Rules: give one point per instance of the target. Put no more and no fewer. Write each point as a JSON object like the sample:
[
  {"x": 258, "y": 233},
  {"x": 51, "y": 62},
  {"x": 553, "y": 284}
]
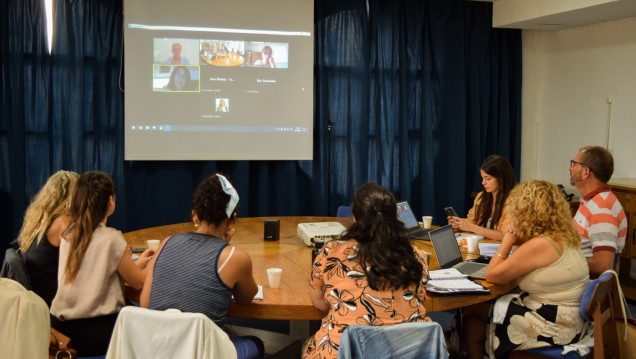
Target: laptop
[
  {"x": 449, "y": 256},
  {"x": 405, "y": 214}
]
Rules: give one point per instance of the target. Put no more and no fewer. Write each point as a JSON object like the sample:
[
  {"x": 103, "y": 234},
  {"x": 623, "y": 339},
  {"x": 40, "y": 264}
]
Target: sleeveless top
[
  {"x": 185, "y": 277},
  {"x": 562, "y": 282},
  {"x": 41, "y": 263},
  {"x": 97, "y": 288}
]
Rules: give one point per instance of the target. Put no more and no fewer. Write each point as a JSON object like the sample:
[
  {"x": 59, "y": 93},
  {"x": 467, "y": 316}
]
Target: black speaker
[{"x": 272, "y": 230}]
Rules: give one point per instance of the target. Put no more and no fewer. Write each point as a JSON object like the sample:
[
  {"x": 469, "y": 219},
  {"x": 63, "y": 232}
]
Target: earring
[{"x": 196, "y": 225}]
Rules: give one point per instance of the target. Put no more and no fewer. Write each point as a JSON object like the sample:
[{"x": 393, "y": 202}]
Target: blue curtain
[{"x": 411, "y": 94}]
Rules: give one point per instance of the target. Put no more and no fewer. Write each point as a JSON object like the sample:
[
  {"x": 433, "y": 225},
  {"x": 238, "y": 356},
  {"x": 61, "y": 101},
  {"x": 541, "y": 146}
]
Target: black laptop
[
  {"x": 405, "y": 214},
  {"x": 448, "y": 254}
]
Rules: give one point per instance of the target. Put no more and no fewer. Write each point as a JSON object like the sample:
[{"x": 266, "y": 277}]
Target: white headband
[{"x": 234, "y": 197}]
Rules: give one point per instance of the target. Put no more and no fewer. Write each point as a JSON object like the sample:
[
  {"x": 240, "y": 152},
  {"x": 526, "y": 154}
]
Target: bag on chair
[{"x": 60, "y": 346}]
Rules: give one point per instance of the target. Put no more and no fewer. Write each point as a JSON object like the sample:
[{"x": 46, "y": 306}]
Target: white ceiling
[{"x": 558, "y": 14}]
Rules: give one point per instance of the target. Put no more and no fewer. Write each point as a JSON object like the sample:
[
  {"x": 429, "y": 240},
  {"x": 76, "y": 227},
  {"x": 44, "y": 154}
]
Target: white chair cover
[
  {"x": 25, "y": 325},
  {"x": 144, "y": 333}
]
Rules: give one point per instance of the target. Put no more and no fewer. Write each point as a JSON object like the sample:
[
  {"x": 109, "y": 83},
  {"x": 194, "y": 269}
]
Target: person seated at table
[
  {"x": 372, "y": 276},
  {"x": 488, "y": 216},
  {"x": 95, "y": 261},
  {"x": 44, "y": 221},
  {"x": 200, "y": 271},
  {"x": 551, "y": 271}
]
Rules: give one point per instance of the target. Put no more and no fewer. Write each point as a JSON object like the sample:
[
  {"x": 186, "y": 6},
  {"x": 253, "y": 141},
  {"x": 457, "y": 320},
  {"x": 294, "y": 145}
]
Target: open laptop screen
[
  {"x": 405, "y": 214},
  {"x": 445, "y": 246}
]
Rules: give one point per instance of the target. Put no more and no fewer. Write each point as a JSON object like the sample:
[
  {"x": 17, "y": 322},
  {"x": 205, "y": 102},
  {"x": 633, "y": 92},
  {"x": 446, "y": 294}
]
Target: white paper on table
[
  {"x": 259, "y": 294},
  {"x": 488, "y": 249}
]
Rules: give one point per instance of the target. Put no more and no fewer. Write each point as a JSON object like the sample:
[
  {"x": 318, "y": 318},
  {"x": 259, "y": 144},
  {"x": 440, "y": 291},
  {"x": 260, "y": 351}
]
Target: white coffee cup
[
  {"x": 427, "y": 221},
  {"x": 153, "y": 243},
  {"x": 273, "y": 275},
  {"x": 471, "y": 244}
]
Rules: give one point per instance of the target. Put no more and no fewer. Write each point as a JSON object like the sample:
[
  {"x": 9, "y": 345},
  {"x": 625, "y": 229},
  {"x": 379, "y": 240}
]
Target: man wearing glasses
[{"x": 600, "y": 219}]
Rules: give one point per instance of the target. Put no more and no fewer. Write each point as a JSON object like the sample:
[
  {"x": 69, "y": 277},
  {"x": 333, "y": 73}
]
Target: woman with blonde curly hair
[
  {"x": 44, "y": 221},
  {"x": 551, "y": 271}
]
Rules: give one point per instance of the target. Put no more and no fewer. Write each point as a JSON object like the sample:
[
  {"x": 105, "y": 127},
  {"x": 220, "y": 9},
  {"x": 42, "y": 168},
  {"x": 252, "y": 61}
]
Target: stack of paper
[{"x": 452, "y": 281}]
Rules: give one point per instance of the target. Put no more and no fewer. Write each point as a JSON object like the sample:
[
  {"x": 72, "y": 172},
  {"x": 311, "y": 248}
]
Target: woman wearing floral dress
[
  {"x": 372, "y": 276},
  {"x": 551, "y": 271}
]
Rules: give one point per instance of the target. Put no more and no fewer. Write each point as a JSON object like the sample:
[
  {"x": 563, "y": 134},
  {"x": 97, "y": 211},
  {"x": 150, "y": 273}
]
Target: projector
[{"x": 319, "y": 232}]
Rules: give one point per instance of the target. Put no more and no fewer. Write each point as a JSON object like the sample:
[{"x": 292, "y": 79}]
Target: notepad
[{"x": 451, "y": 281}]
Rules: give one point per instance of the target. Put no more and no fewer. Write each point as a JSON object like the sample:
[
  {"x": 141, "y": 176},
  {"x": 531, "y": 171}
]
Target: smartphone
[
  {"x": 138, "y": 250},
  {"x": 450, "y": 212}
]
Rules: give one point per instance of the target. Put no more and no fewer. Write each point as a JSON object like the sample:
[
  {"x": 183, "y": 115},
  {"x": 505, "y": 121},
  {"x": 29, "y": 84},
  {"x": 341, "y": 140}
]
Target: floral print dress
[{"x": 338, "y": 274}]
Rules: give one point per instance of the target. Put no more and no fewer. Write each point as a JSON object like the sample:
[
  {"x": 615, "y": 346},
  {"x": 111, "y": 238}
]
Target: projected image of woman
[{"x": 181, "y": 80}]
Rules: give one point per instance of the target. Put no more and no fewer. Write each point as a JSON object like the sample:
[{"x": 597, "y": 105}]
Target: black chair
[
  {"x": 344, "y": 211},
  {"x": 13, "y": 267}
]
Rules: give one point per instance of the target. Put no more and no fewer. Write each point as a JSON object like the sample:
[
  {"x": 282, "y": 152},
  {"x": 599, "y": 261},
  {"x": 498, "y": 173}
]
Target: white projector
[{"x": 319, "y": 232}]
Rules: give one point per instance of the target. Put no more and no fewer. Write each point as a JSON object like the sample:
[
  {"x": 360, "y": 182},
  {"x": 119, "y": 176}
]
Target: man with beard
[{"x": 600, "y": 219}]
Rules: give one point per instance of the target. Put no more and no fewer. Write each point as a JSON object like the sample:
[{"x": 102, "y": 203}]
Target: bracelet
[{"x": 499, "y": 254}]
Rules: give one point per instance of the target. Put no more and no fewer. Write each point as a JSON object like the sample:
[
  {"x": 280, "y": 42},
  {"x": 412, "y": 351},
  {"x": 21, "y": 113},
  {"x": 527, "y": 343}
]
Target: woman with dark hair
[
  {"x": 180, "y": 80},
  {"x": 488, "y": 216},
  {"x": 200, "y": 272},
  {"x": 372, "y": 276},
  {"x": 95, "y": 261}
]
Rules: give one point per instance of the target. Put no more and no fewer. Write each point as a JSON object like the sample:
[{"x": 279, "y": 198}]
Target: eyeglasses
[{"x": 573, "y": 162}]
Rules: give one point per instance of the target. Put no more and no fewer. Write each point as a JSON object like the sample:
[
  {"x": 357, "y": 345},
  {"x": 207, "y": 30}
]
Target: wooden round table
[{"x": 291, "y": 301}]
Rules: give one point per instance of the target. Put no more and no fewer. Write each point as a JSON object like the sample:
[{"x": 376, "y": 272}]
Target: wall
[{"x": 569, "y": 78}]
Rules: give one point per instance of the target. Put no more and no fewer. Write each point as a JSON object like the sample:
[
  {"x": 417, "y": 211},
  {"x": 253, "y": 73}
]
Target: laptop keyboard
[
  {"x": 469, "y": 268},
  {"x": 421, "y": 233}
]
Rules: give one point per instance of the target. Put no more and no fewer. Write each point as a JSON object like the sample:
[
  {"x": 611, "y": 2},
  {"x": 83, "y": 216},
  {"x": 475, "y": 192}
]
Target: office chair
[
  {"x": 344, "y": 211},
  {"x": 13, "y": 267},
  {"x": 142, "y": 333},
  {"x": 419, "y": 340},
  {"x": 596, "y": 306}
]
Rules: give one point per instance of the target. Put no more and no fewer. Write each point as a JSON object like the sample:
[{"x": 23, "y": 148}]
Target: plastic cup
[
  {"x": 471, "y": 244},
  {"x": 427, "y": 221},
  {"x": 153, "y": 243},
  {"x": 273, "y": 275}
]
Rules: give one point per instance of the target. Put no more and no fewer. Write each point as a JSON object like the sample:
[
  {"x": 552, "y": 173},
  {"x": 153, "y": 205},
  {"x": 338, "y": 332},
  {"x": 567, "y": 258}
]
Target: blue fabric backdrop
[{"x": 416, "y": 93}]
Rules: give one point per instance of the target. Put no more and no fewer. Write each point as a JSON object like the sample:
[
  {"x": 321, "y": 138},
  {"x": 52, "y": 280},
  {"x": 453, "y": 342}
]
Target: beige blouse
[
  {"x": 562, "y": 282},
  {"x": 97, "y": 289}
]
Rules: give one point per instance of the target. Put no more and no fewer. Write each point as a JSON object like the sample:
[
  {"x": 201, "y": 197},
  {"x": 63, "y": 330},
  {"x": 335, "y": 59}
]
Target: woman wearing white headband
[{"x": 202, "y": 267}]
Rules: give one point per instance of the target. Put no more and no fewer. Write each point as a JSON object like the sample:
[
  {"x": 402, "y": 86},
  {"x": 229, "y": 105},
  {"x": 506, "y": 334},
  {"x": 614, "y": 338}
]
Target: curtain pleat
[{"x": 412, "y": 94}]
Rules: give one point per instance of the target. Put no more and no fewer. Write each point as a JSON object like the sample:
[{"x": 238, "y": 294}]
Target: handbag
[{"x": 60, "y": 346}]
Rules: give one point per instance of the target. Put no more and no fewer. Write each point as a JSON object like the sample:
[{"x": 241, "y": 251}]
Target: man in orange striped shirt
[{"x": 600, "y": 219}]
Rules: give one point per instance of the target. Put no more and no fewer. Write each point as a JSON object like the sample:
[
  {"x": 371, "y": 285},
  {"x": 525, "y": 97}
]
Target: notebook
[
  {"x": 405, "y": 214},
  {"x": 449, "y": 256}
]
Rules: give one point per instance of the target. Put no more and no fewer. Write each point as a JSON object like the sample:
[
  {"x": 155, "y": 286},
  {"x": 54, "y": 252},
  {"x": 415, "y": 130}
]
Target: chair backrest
[
  {"x": 405, "y": 341},
  {"x": 145, "y": 333},
  {"x": 24, "y": 322},
  {"x": 597, "y": 306},
  {"x": 344, "y": 211}
]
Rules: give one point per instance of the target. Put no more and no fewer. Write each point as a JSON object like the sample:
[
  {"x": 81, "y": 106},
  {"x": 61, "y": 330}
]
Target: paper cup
[
  {"x": 471, "y": 243},
  {"x": 427, "y": 221},
  {"x": 153, "y": 243},
  {"x": 273, "y": 275}
]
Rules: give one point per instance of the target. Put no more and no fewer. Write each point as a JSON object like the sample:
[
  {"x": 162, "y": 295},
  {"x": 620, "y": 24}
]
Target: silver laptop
[
  {"x": 448, "y": 254},
  {"x": 405, "y": 214}
]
